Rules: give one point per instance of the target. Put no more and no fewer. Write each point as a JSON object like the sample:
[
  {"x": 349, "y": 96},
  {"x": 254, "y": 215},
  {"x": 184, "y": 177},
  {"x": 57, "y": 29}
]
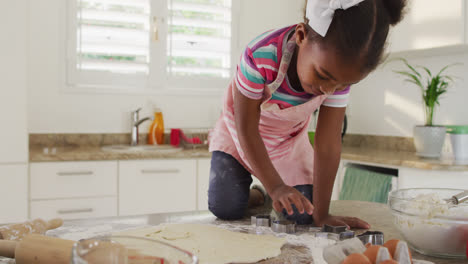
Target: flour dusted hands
[{"x": 284, "y": 197}]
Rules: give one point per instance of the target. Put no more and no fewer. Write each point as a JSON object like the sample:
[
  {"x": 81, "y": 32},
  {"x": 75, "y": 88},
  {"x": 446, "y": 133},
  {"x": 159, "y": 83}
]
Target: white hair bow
[{"x": 320, "y": 12}]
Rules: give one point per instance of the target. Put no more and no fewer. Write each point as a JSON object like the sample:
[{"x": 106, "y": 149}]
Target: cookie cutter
[
  {"x": 336, "y": 233},
  {"x": 373, "y": 237},
  {"x": 260, "y": 220},
  {"x": 283, "y": 226}
]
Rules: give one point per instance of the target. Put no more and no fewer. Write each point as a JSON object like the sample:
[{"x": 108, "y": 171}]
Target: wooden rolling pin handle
[
  {"x": 7, "y": 248},
  {"x": 54, "y": 223},
  {"x": 37, "y": 249}
]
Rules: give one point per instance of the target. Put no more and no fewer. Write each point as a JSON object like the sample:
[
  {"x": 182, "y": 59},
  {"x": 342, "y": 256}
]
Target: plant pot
[{"x": 429, "y": 140}]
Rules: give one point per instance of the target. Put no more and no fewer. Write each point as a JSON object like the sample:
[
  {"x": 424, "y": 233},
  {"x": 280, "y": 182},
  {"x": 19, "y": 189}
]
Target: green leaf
[
  {"x": 410, "y": 67},
  {"x": 427, "y": 70}
]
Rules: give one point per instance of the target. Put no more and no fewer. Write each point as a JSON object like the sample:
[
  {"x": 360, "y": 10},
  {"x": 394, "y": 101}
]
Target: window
[
  {"x": 199, "y": 39},
  {"x": 144, "y": 44}
]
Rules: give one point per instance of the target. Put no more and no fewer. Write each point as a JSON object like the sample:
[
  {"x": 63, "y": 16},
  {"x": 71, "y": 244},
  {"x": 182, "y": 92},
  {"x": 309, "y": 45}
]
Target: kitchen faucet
[{"x": 136, "y": 122}]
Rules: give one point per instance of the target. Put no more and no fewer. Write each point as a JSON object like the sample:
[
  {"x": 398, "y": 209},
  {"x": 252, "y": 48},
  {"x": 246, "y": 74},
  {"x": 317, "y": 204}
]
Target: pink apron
[{"x": 284, "y": 131}]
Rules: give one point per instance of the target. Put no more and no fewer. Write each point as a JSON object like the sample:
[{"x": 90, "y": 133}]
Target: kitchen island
[{"x": 378, "y": 215}]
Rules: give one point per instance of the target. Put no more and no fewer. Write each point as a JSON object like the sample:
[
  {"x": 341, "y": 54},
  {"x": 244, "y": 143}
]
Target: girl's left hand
[{"x": 349, "y": 222}]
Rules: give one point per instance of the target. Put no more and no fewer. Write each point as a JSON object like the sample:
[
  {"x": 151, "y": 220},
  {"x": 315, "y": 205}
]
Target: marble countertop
[
  {"x": 370, "y": 155},
  {"x": 377, "y": 215},
  {"x": 38, "y": 154},
  {"x": 401, "y": 159}
]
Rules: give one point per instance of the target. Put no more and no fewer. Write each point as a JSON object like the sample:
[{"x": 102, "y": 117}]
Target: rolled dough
[{"x": 213, "y": 245}]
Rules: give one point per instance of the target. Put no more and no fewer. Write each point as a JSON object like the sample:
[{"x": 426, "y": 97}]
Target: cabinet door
[
  {"x": 52, "y": 180},
  {"x": 416, "y": 178},
  {"x": 338, "y": 181},
  {"x": 75, "y": 208},
  {"x": 13, "y": 193},
  {"x": 203, "y": 180},
  {"x": 157, "y": 186},
  {"x": 429, "y": 24}
]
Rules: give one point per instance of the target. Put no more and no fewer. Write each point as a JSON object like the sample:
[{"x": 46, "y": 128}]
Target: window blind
[
  {"x": 113, "y": 35},
  {"x": 199, "y": 38}
]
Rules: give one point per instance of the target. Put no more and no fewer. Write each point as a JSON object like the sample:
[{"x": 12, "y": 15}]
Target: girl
[{"x": 283, "y": 77}]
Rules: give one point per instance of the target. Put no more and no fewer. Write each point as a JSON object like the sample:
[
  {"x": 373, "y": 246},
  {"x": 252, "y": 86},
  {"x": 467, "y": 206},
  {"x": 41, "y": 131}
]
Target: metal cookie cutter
[
  {"x": 283, "y": 226},
  {"x": 335, "y": 232},
  {"x": 260, "y": 220},
  {"x": 373, "y": 237}
]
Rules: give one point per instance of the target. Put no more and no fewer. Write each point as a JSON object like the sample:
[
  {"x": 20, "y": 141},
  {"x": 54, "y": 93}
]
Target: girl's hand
[
  {"x": 284, "y": 196},
  {"x": 349, "y": 222}
]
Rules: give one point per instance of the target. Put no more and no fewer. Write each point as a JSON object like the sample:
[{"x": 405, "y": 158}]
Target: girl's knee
[
  {"x": 225, "y": 213},
  {"x": 227, "y": 205}
]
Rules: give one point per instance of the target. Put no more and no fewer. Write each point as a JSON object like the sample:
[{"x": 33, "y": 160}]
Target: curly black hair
[{"x": 361, "y": 31}]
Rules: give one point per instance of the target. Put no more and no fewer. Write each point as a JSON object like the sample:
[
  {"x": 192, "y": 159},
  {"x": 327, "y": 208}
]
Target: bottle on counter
[{"x": 156, "y": 131}]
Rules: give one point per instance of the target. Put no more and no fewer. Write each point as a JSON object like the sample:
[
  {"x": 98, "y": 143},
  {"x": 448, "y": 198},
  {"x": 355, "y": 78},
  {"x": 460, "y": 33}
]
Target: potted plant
[{"x": 429, "y": 138}]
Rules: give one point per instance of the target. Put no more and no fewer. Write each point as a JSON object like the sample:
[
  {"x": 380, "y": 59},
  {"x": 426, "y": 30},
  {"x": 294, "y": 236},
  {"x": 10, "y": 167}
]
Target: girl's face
[{"x": 320, "y": 69}]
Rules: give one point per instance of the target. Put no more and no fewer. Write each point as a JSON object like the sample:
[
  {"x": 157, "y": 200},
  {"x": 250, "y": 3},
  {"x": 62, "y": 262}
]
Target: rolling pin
[
  {"x": 38, "y": 249},
  {"x": 16, "y": 232}
]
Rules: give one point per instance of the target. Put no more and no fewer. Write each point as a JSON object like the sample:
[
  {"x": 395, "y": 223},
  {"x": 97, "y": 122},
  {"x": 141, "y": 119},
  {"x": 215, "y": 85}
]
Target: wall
[
  {"x": 52, "y": 110},
  {"x": 383, "y": 104},
  {"x": 13, "y": 39}
]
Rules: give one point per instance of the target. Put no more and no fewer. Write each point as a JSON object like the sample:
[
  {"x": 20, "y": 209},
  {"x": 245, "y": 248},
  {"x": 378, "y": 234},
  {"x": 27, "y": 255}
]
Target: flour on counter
[{"x": 314, "y": 245}]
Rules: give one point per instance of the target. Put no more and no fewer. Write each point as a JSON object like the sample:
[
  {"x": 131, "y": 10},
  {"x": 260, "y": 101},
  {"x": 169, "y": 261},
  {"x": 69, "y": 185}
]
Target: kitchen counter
[
  {"x": 400, "y": 159},
  {"x": 370, "y": 155},
  {"x": 36, "y": 154},
  {"x": 378, "y": 216}
]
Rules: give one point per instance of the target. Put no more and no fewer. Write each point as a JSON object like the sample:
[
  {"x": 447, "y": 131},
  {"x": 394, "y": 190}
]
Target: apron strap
[{"x": 284, "y": 65}]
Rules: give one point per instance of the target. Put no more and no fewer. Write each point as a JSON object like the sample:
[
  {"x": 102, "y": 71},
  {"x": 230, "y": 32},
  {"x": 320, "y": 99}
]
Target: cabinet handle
[
  {"x": 75, "y": 173},
  {"x": 75, "y": 211},
  {"x": 160, "y": 171}
]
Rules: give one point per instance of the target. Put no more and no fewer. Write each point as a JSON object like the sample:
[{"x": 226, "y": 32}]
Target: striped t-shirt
[{"x": 259, "y": 66}]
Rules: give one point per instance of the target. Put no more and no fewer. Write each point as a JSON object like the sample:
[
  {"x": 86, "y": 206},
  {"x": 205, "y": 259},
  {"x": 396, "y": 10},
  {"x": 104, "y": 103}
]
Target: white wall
[
  {"x": 52, "y": 110},
  {"x": 13, "y": 39},
  {"x": 383, "y": 104}
]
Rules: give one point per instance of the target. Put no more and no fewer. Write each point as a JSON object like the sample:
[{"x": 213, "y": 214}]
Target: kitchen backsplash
[{"x": 389, "y": 143}]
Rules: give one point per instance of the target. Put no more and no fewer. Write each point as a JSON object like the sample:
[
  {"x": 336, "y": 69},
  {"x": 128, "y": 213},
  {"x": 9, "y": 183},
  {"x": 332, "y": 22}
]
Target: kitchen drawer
[
  {"x": 75, "y": 208},
  {"x": 73, "y": 179},
  {"x": 157, "y": 186},
  {"x": 419, "y": 178}
]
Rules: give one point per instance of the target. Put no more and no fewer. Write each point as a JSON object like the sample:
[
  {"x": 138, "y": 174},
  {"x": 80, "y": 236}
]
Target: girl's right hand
[{"x": 285, "y": 196}]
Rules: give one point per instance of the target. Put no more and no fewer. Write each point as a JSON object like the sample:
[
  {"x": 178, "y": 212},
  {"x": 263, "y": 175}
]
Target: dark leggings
[{"x": 229, "y": 190}]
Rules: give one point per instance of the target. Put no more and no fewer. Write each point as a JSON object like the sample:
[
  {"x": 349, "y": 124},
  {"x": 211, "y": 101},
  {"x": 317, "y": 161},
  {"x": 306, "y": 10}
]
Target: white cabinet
[
  {"x": 74, "y": 208},
  {"x": 338, "y": 181},
  {"x": 417, "y": 178},
  {"x": 430, "y": 24},
  {"x": 157, "y": 186},
  {"x": 203, "y": 181},
  {"x": 13, "y": 108},
  {"x": 13, "y": 193},
  {"x": 52, "y": 180},
  {"x": 73, "y": 190}
]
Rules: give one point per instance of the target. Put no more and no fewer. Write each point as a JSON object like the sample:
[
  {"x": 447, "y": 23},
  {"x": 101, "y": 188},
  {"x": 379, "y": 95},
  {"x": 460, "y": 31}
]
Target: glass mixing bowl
[
  {"x": 128, "y": 250},
  {"x": 430, "y": 225}
]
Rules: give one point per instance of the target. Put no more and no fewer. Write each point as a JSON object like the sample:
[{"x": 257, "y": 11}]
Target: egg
[
  {"x": 391, "y": 245},
  {"x": 356, "y": 258},
  {"x": 371, "y": 253}
]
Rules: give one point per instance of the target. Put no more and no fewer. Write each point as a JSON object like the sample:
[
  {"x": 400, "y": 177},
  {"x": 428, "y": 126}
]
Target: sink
[{"x": 141, "y": 148}]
